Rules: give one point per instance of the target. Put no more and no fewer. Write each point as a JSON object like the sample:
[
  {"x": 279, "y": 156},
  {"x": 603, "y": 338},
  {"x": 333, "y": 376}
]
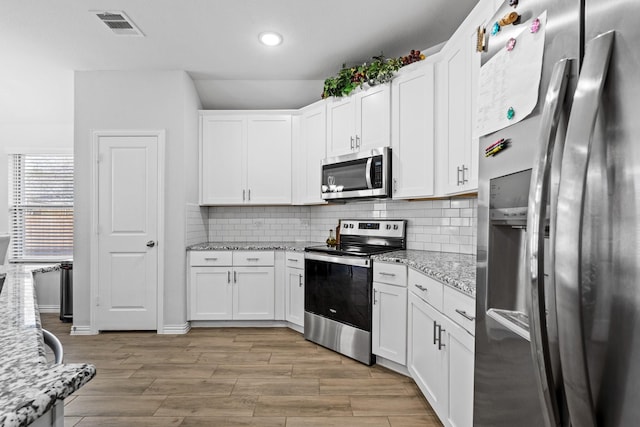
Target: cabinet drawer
[
  {"x": 392, "y": 274},
  {"x": 251, "y": 258},
  {"x": 426, "y": 288},
  {"x": 294, "y": 259},
  {"x": 460, "y": 308},
  {"x": 210, "y": 258}
]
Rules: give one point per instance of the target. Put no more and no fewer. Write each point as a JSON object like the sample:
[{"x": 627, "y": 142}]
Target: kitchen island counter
[
  {"x": 455, "y": 270},
  {"x": 31, "y": 386}
]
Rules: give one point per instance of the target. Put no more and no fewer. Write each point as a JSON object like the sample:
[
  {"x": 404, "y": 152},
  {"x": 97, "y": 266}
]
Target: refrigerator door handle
[
  {"x": 536, "y": 215},
  {"x": 571, "y": 197}
]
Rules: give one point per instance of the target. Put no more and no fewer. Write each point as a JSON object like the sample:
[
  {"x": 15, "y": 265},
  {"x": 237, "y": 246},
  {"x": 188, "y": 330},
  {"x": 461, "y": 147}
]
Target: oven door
[{"x": 339, "y": 288}]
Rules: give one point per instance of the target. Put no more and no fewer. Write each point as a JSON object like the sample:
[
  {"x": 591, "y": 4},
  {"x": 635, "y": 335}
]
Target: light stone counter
[
  {"x": 30, "y": 385},
  {"x": 455, "y": 270}
]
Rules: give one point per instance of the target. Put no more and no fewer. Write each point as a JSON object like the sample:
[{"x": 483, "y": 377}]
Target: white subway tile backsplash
[{"x": 435, "y": 225}]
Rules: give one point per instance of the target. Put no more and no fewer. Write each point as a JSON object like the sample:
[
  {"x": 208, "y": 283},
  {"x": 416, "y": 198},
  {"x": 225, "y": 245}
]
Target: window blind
[{"x": 41, "y": 207}]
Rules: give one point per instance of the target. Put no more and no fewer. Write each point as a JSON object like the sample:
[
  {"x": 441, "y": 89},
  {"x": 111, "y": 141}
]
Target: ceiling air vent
[{"x": 119, "y": 23}]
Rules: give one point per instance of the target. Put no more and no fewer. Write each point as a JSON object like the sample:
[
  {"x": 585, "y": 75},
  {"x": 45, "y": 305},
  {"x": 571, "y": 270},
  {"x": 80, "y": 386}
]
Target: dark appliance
[
  {"x": 366, "y": 174},
  {"x": 339, "y": 286}
]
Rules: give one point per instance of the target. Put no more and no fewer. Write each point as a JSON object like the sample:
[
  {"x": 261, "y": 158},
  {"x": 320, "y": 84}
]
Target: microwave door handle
[
  {"x": 539, "y": 190},
  {"x": 368, "y": 172},
  {"x": 571, "y": 199}
]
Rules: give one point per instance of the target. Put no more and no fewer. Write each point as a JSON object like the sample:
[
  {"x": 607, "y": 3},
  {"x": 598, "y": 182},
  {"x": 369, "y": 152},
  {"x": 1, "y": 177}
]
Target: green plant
[{"x": 380, "y": 70}]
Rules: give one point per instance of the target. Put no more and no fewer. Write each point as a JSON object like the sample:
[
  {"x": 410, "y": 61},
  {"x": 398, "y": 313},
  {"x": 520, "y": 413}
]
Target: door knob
[{"x": 151, "y": 244}]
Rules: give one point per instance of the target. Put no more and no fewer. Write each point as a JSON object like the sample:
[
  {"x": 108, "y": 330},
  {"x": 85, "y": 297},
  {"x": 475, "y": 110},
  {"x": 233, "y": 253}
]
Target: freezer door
[{"x": 610, "y": 235}]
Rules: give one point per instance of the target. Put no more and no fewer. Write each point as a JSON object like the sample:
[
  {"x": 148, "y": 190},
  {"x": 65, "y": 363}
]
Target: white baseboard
[
  {"x": 49, "y": 308},
  {"x": 81, "y": 330},
  {"x": 239, "y": 324},
  {"x": 175, "y": 329},
  {"x": 395, "y": 367},
  {"x": 295, "y": 327}
]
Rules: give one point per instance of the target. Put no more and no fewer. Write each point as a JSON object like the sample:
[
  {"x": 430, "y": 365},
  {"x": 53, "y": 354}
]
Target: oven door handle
[{"x": 346, "y": 260}]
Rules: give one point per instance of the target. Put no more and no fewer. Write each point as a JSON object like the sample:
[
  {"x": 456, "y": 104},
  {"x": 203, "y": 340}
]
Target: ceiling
[{"x": 216, "y": 41}]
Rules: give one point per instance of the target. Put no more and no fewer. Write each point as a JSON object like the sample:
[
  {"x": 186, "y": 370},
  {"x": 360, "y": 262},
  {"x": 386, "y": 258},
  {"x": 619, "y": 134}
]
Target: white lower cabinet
[
  {"x": 389, "y": 328},
  {"x": 390, "y": 322},
  {"x": 440, "y": 359},
  {"x": 242, "y": 290},
  {"x": 294, "y": 289}
]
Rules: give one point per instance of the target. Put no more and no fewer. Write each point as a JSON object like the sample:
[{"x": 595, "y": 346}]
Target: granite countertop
[
  {"x": 252, "y": 246},
  {"x": 455, "y": 270},
  {"x": 30, "y": 385}
]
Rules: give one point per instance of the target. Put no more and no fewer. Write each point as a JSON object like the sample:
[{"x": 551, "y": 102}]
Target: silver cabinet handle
[
  {"x": 440, "y": 331},
  {"x": 465, "y": 169},
  {"x": 435, "y": 331},
  {"x": 458, "y": 175},
  {"x": 211, "y": 259},
  {"x": 151, "y": 244},
  {"x": 253, "y": 259},
  {"x": 395, "y": 185},
  {"x": 300, "y": 280},
  {"x": 292, "y": 259},
  {"x": 352, "y": 145},
  {"x": 249, "y": 194},
  {"x": 538, "y": 194},
  {"x": 465, "y": 315},
  {"x": 422, "y": 288},
  {"x": 228, "y": 277},
  {"x": 235, "y": 277},
  {"x": 384, "y": 273},
  {"x": 571, "y": 196},
  {"x": 243, "y": 195},
  {"x": 375, "y": 292},
  {"x": 357, "y": 142}
]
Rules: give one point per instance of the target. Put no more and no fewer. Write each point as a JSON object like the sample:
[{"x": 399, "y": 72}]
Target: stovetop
[
  {"x": 366, "y": 237},
  {"x": 353, "y": 250}
]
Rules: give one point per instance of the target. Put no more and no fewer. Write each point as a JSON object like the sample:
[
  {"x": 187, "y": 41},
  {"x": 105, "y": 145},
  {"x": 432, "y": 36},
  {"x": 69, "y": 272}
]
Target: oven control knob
[
  {"x": 346, "y": 225},
  {"x": 395, "y": 226},
  {"x": 350, "y": 225},
  {"x": 388, "y": 226}
]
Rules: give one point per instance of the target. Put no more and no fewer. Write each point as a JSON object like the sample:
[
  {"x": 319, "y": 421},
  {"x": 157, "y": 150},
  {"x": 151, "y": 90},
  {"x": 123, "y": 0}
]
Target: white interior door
[{"x": 127, "y": 232}]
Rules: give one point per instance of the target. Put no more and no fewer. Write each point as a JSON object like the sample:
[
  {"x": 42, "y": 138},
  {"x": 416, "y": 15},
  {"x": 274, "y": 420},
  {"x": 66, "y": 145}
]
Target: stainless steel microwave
[{"x": 366, "y": 174}]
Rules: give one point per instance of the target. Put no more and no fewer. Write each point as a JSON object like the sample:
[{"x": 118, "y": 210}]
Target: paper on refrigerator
[{"x": 511, "y": 79}]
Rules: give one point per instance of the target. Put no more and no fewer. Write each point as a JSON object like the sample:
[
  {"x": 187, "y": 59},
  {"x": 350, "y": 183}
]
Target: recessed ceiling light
[{"x": 270, "y": 38}]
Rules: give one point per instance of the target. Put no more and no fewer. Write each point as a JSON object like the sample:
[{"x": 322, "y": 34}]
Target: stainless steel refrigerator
[{"x": 558, "y": 277}]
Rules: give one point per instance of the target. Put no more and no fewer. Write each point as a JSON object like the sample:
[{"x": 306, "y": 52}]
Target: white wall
[
  {"x": 117, "y": 100},
  {"x": 36, "y": 116}
]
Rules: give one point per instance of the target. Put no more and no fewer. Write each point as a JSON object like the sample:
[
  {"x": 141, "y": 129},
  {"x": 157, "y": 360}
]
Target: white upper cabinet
[
  {"x": 359, "y": 122},
  {"x": 245, "y": 158},
  {"x": 413, "y": 131},
  {"x": 310, "y": 150},
  {"x": 222, "y": 140}
]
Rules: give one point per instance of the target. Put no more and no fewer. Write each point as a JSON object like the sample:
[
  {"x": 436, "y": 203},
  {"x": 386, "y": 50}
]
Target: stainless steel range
[{"x": 339, "y": 284}]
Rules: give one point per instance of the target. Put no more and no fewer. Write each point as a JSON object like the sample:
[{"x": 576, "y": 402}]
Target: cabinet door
[
  {"x": 373, "y": 118},
  {"x": 427, "y": 363},
  {"x": 294, "y": 293},
  {"x": 210, "y": 293},
  {"x": 313, "y": 131},
  {"x": 222, "y": 142},
  {"x": 253, "y": 293},
  {"x": 461, "y": 361},
  {"x": 412, "y": 110},
  {"x": 341, "y": 136},
  {"x": 459, "y": 69},
  {"x": 390, "y": 322},
  {"x": 269, "y": 159}
]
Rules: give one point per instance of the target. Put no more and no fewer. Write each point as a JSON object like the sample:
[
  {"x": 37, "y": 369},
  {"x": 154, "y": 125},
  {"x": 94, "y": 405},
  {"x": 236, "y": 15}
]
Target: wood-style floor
[{"x": 211, "y": 377}]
